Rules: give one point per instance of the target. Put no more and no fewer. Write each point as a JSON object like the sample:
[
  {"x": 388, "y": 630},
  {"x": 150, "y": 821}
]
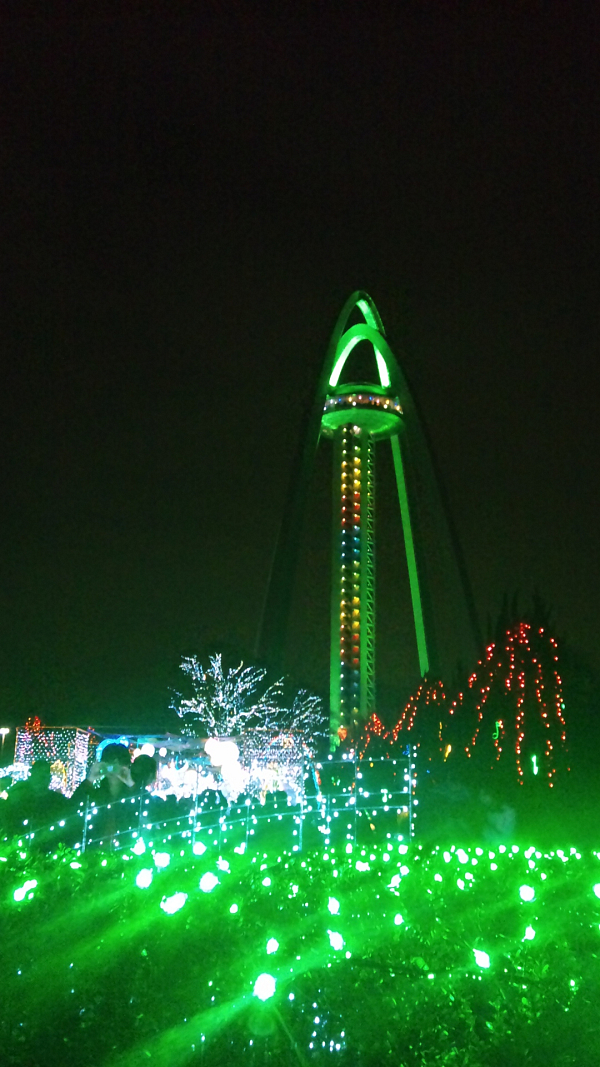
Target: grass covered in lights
[{"x": 395, "y": 954}]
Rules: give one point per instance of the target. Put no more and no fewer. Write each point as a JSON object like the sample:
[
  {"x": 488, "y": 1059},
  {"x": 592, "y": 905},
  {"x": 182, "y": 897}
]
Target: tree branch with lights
[{"x": 227, "y": 702}]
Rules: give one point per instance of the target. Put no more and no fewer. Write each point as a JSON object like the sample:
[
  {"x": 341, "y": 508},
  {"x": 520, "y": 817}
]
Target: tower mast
[{"x": 356, "y": 416}]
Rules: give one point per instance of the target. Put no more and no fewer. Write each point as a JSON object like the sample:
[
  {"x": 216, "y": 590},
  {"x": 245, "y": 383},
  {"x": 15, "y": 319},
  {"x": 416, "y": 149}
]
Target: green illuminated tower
[{"x": 357, "y": 417}]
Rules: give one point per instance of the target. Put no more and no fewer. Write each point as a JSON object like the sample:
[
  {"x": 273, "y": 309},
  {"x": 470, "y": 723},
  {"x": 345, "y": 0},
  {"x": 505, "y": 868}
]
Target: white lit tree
[{"x": 224, "y": 703}]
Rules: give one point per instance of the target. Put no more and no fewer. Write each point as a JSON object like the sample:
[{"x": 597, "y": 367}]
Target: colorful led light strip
[{"x": 353, "y": 676}]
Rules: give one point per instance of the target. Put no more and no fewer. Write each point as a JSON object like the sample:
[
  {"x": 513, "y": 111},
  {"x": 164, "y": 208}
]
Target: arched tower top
[
  {"x": 345, "y": 338},
  {"x": 373, "y": 405},
  {"x": 403, "y": 424}
]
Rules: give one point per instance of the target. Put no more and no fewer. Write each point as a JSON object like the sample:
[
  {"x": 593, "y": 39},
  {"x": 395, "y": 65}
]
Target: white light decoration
[
  {"x": 208, "y": 882},
  {"x": 174, "y": 903},
  {"x": 481, "y": 958},
  {"x": 229, "y": 702},
  {"x": 265, "y": 986},
  {"x": 333, "y": 906},
  {"x": 225, "y": 755},
  {"x": 21, "y": 893},
  {"x": 144, "y": 878},
  {"x": 184, "y": 776},
  {"x": 162, "y": 859},
  {"x": 221, "y": 752},
  {"x": 67, "y": 749},
  {"x": 274, "y": 762},
  {"x": 257, "y": 762},
  {"x": 527, "y": 892},
  {"x": 336, "y": 940},
  {"x": 272, "y": 946}
]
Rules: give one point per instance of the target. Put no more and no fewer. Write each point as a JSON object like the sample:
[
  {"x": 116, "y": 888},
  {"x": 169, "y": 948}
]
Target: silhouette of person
[
  {"x": 34, "y": 802},
  {"x": 109, "y": 779},
  {"x": 108, "y": 783},
  {"x": 143, "y": 772}
]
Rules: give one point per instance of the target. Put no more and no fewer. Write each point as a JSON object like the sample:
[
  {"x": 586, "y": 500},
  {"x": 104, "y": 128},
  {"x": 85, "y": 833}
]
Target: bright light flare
[
  {"x": 336, "y": 940},
  {"x": 264, "y": 986},
  {"x": 172, "y": 904},
  {"x": 20, "y": 894},
  {"x": 481, "y": 958},
  {"x": 208, "y": 882}
]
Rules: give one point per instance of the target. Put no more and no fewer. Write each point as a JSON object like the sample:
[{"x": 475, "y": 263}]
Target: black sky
[{"x": 188, "y": 197}]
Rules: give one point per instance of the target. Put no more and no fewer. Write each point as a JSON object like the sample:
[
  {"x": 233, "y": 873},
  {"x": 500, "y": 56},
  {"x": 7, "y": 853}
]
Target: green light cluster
[{"x": 388, "y": 952}]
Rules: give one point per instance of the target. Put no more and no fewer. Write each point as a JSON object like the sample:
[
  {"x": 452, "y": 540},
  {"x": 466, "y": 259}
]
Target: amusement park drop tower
[{"x": 356, "y": 416}]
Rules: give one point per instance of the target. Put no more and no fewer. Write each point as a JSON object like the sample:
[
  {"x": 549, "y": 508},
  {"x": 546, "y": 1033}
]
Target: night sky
[{"x": 187, "y": 201}]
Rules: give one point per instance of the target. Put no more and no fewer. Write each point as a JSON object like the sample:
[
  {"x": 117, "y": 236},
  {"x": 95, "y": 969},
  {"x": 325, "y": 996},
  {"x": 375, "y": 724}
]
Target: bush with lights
[{"x": 508, "y": 718}]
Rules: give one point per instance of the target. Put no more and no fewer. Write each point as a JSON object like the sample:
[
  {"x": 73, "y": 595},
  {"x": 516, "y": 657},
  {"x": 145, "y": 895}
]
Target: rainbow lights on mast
[{"x": 356, "y": 416}]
